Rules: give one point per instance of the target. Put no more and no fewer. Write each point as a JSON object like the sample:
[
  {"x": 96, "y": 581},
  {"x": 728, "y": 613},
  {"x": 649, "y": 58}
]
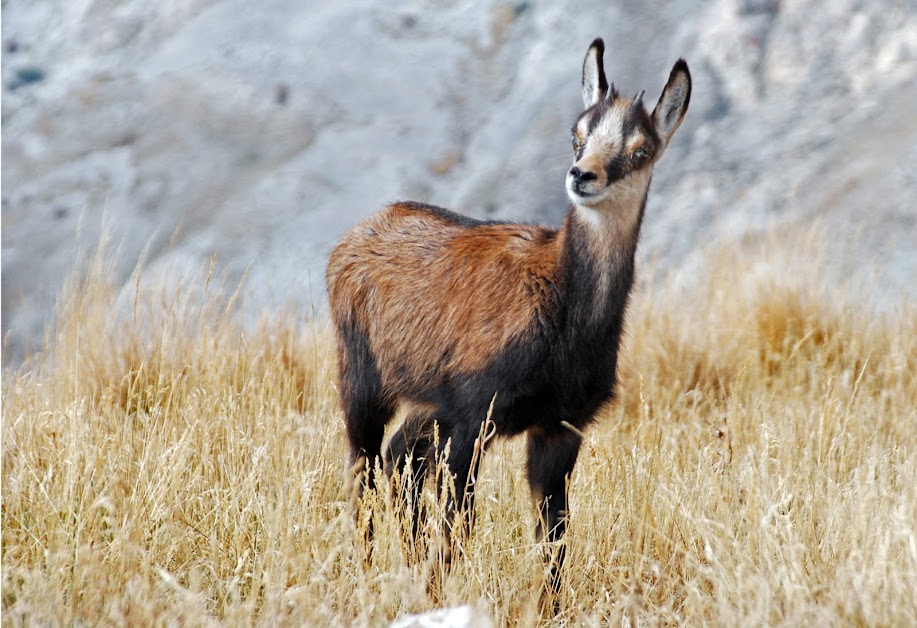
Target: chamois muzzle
[{"x": 581, "y": 177}]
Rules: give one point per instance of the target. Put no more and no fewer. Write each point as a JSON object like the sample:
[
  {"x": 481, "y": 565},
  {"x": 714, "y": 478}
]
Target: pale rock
[{"x": 161, "y": 122}]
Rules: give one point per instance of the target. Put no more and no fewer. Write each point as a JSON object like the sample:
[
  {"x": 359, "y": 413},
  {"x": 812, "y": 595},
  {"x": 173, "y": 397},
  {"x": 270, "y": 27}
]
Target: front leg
[{"x": 550, "y": 461}]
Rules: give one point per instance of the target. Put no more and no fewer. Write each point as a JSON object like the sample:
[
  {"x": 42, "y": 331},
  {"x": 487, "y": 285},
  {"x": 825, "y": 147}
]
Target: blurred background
[{"x": 256, "y": 133}]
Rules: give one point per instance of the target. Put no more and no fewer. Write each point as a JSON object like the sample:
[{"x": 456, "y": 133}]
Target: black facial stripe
[
  {"x": 632, "y": 119},
  {"x": 596, "y": 116},
  {"x": 637, "y": 118},
  {"x": 616, "y": 169}
]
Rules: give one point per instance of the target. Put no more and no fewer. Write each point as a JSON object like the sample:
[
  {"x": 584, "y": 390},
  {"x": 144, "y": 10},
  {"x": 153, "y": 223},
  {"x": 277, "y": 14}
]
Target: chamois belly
[
  {"x": 551, "y": 403},
  {"x": 535, "y": 388}
]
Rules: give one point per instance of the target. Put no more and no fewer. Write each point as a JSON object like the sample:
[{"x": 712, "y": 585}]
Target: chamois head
[{"x": 615, "y": 141}]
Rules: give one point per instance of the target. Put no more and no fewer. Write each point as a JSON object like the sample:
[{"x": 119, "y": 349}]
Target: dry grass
[{"x": 160, "y": 465}]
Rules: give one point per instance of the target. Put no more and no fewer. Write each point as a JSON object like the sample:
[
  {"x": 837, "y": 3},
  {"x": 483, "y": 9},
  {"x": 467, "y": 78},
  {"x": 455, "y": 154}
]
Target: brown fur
[{"x": 432, "y": 282}]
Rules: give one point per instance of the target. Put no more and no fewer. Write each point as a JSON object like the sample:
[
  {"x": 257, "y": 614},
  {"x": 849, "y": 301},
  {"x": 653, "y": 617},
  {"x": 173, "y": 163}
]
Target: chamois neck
[{"x": 599, "y": 244}]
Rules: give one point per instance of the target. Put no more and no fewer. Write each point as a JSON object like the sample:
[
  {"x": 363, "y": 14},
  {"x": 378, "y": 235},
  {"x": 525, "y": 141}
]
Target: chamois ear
[
  {"x": 595, "y": 85},
  {"x": 673, "y": 103}
]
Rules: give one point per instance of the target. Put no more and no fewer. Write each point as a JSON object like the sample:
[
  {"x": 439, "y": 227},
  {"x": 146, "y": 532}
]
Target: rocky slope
[{"x": 259, "y": 132}]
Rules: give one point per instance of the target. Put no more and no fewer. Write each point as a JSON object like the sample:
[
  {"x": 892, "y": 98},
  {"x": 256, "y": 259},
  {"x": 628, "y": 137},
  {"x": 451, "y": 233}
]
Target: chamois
[{"x": 442, "y": 314}]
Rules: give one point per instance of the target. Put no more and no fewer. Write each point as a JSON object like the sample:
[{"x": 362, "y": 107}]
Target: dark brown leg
[
  {"x": 411, "y": 452},
  {"x": 366, "y": 412}
]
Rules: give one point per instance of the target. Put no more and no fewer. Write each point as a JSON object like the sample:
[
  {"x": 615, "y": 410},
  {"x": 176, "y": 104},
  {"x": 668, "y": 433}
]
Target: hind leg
[
  {"x": 366, "y": 413},
  {"x": 411, "y": 451},
  {"x": 365, "y": 428},
  {"x": 466, "y": 441},
  {"x": 456, "y": 457}
]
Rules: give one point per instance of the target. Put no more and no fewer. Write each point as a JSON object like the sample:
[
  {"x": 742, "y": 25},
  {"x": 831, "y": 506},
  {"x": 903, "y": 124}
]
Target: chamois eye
[
  {"x": 578, "y": 144},
  {"x": 640, "y": 154}
]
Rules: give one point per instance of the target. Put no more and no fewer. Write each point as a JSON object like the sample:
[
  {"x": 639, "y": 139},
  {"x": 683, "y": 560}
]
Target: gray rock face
[{"x": 259, "y": 132}]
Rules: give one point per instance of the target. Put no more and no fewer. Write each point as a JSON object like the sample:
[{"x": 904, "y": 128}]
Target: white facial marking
[
  {"x": 582, "y": 128},
  {"x": 606, "y": 139},
  {"x": 634, "y": 141},
  {"x": 590, "y": 216},
  {"x": 608, "y": 132}
]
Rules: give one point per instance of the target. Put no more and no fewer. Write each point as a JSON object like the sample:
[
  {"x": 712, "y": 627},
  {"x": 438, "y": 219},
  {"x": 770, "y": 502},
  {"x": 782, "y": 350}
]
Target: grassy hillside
[{"x": 160, "y": 464}]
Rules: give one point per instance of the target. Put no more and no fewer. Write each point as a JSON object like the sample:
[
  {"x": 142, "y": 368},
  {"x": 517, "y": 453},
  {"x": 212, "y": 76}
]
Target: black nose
[{"x": 582, "y": 177}]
